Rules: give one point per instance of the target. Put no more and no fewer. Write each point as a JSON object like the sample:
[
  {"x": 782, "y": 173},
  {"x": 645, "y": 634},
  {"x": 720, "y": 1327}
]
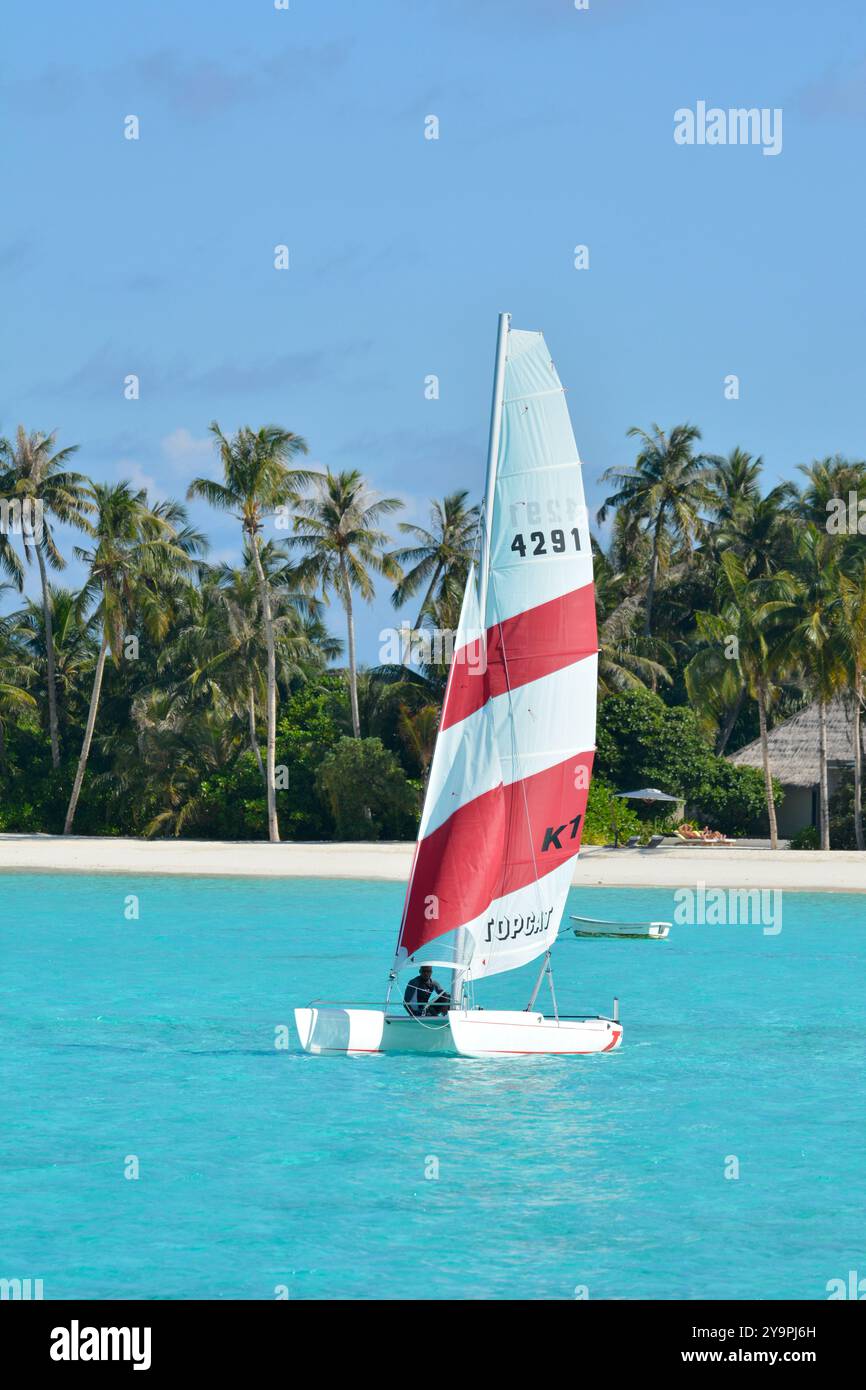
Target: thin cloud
[
  {"x": 16, "y": 253},
  {"x": 207, "y": 86},
  {"x": 361, "y": 259},
  {"x": 538, "y": 16},
  {"x": 838, "y": 93},
  {"x": 104, "y": 371},
  {"x": 129, "y": 471},
  {"x": 199, "y": 88},
  {"x": 186, "y": 452},
  {"x": 409, "y": 452},
  {"x": 145, "y": 282}
]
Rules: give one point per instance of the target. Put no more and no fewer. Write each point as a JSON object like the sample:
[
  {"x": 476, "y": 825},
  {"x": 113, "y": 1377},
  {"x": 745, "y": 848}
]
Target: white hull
[
  {"x": 461, "y": 1033},
  {"x": 483, "y": 1033}
]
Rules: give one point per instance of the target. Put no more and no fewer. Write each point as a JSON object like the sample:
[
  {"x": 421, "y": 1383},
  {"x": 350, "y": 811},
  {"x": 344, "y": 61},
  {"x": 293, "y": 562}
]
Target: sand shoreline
[{"x": 669, "y": 866}]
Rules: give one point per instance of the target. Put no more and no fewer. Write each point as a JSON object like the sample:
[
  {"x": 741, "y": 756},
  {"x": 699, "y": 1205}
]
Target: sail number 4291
[{"x": 555, "y": 542}]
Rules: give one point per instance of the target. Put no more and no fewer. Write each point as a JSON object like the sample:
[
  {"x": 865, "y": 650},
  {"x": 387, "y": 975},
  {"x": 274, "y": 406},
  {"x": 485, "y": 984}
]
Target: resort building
[{"x": 794, "y": 761}]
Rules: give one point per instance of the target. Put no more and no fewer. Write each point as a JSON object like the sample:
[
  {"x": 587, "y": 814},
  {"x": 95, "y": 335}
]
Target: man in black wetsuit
[{"x": 419, "y": 991}]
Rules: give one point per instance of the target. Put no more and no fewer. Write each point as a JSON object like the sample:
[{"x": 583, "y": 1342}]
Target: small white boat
[
  {"x": 598, "y": 927},
  {"x": 508, "y": 783}
]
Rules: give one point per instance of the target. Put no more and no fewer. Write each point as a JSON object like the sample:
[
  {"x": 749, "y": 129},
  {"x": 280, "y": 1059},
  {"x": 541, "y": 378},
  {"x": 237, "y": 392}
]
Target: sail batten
[{"x": 507, "y": 791}]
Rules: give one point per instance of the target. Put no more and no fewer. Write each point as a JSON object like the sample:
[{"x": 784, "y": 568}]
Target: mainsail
[{"x": 508, "y": 784}]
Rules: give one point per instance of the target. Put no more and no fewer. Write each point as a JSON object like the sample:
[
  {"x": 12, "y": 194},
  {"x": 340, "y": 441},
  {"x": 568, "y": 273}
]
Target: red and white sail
[{"x": 507, "y": 793}]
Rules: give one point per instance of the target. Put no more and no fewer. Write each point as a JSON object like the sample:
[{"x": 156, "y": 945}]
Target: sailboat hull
[
  {"x": 462, "y": 1033},
  {"x": 483, "y": 1033},
  {"x": 363, "y": 1031}
]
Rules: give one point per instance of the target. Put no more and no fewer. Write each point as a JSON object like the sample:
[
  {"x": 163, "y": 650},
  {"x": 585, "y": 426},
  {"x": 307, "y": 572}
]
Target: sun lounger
[{"x": 697, "y": 837}]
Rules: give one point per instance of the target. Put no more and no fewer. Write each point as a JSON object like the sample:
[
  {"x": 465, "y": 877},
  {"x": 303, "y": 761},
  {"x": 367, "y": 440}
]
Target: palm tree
[
  {"x": 716, "y": 685},
  {"x": 221, "y": 649},
  {"x": 626, "y": 659},
  {"x": 756, "y": 528},
  {"x": 446, "y": 548},
  {"x": 217, "y": 652},
  {"x": 15, "y": 674},
  {"x": 337, "y": 529},
  {"x": 74, "y": 647},
  {"x": 827, "y": 480},
  {"x": 817, "y": 640},
  {"x": 852, "y": 625},
  {"x": 38, "y": 472},
  {"x": 10, "y": 562},
  {"x": 759, "y": 532},
  {"x": 418, "y": 731},
  {"x": 166, "y": 755},
  {"x": 257, "y": 480},
  {"x": 138, "y": 552},
  {"x": 758, "y": 614},
  {"x": 732, "y": 484},
  {"x": 180, "y": 750},
  {"x": 663, "y": 490}
]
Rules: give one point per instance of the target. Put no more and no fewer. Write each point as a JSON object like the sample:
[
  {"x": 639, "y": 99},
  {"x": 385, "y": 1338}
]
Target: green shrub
[
  {"x": 367, "y": 791},
  {"x": 603, "y": 811},
  {"x": 642, "y": 742}
]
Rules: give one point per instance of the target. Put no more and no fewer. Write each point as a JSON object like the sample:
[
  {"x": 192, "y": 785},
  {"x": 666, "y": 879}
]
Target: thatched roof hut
[{"x": 794, "y": 745}]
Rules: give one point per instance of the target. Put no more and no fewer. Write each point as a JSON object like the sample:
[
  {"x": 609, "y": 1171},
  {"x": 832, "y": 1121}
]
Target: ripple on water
[{"x": 420, "y": 1177}]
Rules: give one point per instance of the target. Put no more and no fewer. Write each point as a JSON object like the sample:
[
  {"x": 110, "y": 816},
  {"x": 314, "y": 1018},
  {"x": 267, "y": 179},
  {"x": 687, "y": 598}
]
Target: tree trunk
[
  {"x": 825, "y": 795},
  {"x": 49, "y": 651},
  {"x": 88, "y": 736},
  {"x": 271, "y": 750},
  {"x": 768, "y": 777},
  {"x": 858, "y": 762},
  {"x": 350, "y": 623},
  {"x": 427, "y": 597},
  {"x": 254, "y": 743},
  {"x": 728, "y": 723},
  {"x": 653, "y": 575}
]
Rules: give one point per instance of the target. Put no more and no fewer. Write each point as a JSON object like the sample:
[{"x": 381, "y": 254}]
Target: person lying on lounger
[
  {"x": 706, "y": 835},
  {"x": 687, "y": 833}
]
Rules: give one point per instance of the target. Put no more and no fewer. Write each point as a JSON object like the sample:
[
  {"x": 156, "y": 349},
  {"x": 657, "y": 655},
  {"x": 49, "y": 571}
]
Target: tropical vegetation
[{"x": 172, "y": 694}]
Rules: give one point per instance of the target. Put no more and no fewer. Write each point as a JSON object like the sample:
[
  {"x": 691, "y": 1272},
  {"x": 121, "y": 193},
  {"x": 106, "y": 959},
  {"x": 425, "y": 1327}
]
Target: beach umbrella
[{"x": 647, "y": 794}]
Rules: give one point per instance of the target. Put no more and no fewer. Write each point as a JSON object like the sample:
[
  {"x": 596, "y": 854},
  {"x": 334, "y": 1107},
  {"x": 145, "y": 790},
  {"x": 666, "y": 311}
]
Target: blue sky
[{"x": 306, "y": 127}]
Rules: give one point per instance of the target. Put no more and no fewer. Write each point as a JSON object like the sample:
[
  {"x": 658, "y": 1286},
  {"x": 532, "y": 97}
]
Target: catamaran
[{"x": 506, "y": 796}]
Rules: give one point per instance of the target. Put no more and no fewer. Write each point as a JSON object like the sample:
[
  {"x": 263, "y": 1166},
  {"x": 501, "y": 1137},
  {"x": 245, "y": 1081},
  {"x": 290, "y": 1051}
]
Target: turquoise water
[{"x": 260, "y": 1167}]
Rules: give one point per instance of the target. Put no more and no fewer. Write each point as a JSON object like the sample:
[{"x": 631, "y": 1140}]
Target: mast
[
  {"x": 457, "y": 978},
  {"x": 492, "y": 460}
]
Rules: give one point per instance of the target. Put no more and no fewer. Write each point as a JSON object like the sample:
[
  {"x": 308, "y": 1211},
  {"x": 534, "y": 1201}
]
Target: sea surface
[{"x": 153, "y": 1045}]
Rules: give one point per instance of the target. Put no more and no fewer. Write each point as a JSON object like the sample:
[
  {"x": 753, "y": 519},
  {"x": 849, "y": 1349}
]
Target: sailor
[{"x": 419, "y": 991}]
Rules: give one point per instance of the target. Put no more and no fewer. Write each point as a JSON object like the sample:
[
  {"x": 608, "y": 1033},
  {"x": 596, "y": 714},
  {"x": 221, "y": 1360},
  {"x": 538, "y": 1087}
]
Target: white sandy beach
[{"x": 669, "y": 866}]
